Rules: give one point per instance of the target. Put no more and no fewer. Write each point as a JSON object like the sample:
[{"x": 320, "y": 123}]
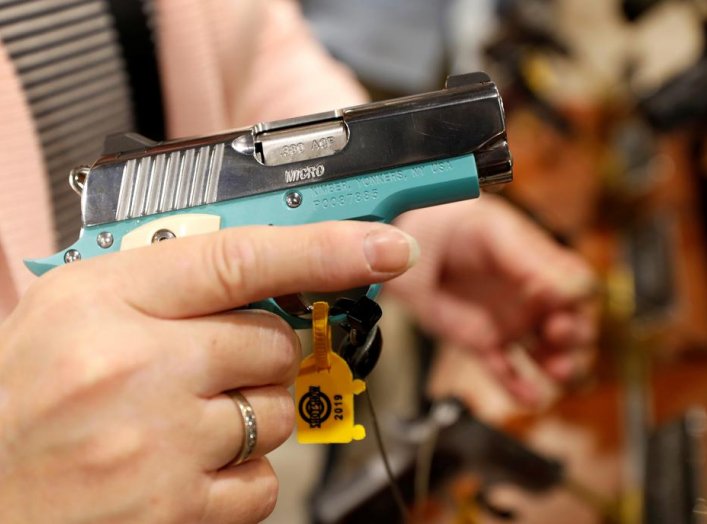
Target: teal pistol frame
[{"x": 308, "y": 170}]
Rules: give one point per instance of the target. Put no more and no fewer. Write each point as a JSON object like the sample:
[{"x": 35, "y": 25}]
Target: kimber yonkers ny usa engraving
[{"x": 369, "y": 162}]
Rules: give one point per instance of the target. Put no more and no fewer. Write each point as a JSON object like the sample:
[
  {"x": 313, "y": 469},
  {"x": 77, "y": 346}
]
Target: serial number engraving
[
  {"x": 304, "y": 173},
  {"x": 346, "y": 199}
]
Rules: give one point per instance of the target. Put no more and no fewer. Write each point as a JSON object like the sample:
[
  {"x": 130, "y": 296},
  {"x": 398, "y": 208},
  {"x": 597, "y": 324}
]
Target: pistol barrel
[{"x": 494, "y": 164}]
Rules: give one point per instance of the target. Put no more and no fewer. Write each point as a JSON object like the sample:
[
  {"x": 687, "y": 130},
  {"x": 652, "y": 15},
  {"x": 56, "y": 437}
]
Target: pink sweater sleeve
[
  {"x": 232, "y": 63},
  {"x": 290, "y": 73},
  {"x": 26, "y": 226}
]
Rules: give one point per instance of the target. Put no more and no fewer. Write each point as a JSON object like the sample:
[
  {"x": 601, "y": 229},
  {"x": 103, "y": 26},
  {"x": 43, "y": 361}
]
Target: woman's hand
[
  {"x": 489, "y": 279},
  {"x": 113, "y": 372}
]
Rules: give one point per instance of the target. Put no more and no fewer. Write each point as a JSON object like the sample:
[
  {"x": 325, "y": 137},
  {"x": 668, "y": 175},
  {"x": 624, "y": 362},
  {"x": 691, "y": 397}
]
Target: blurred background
[{"x": 606, "y": 103}]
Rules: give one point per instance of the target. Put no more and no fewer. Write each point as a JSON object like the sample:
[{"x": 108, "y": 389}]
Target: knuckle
[
  {"x": 81, "y": 371},
  {"x": 232, "y": 261},
  {"x": 287, "y": 415},
  {"x": 284, "y": 344},
  {"x": 85, "y": 371},
  {"x": 281, "y": 413},
  {"x": 323, "y": 250},
  {"x": 113, "y": 450},
  {"x": 237, "y": 261},
  {"x": 285, "y": 361},
  {"x": 270, "y": 487},
  {"x": 271, "y": 496}
]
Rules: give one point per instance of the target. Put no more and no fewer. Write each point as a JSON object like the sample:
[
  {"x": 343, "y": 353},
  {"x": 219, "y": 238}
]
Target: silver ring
[{"x": 250, "y": 427}]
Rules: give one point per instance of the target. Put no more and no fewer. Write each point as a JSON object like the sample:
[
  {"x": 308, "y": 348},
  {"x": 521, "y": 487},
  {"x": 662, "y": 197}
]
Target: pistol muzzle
[{"x": 494, "y": 164}]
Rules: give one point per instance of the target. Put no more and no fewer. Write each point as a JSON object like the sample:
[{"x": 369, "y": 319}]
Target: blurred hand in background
[{"x": 489, "y": 280}]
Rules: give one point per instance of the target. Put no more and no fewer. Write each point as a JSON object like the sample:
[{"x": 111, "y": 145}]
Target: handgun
[{"x": 368, "y": 162}]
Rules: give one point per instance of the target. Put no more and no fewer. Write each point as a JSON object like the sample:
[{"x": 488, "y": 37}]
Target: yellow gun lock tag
[{"x": 324, "y": 390}]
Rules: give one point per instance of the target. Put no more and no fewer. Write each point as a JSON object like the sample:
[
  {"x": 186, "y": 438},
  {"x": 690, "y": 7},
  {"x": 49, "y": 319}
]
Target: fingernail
[{"x": 389, "y": 250}]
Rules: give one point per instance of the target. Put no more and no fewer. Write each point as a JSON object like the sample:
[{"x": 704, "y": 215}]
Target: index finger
[{"x": 205, "y": 274}]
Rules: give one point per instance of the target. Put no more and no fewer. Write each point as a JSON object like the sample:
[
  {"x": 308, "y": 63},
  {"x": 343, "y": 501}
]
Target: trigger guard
[{"x": 297, "y": 322}]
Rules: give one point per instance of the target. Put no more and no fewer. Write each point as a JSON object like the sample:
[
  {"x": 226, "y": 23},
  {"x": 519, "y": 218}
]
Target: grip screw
[
  {"x": 293, "y": 199},
  {"x": 105, "y": 239},
  {"x": 71, "y": 255},
  {"x": 162, "y": 235}
]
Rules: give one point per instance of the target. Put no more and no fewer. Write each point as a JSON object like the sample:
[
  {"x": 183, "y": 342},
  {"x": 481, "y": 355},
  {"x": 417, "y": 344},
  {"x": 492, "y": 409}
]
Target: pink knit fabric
[
  {"x": 224, "y": 64},
  {"x": 228, "y": 64},
  {"x": 26, "y": 228}
]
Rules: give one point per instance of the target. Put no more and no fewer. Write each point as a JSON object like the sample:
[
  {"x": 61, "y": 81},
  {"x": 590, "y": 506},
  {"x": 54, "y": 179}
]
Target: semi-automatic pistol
[{"x": 369, "y": 162}]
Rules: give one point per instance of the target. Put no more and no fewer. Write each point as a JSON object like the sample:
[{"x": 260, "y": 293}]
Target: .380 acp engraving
[{"x": 304, "y": 142}]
